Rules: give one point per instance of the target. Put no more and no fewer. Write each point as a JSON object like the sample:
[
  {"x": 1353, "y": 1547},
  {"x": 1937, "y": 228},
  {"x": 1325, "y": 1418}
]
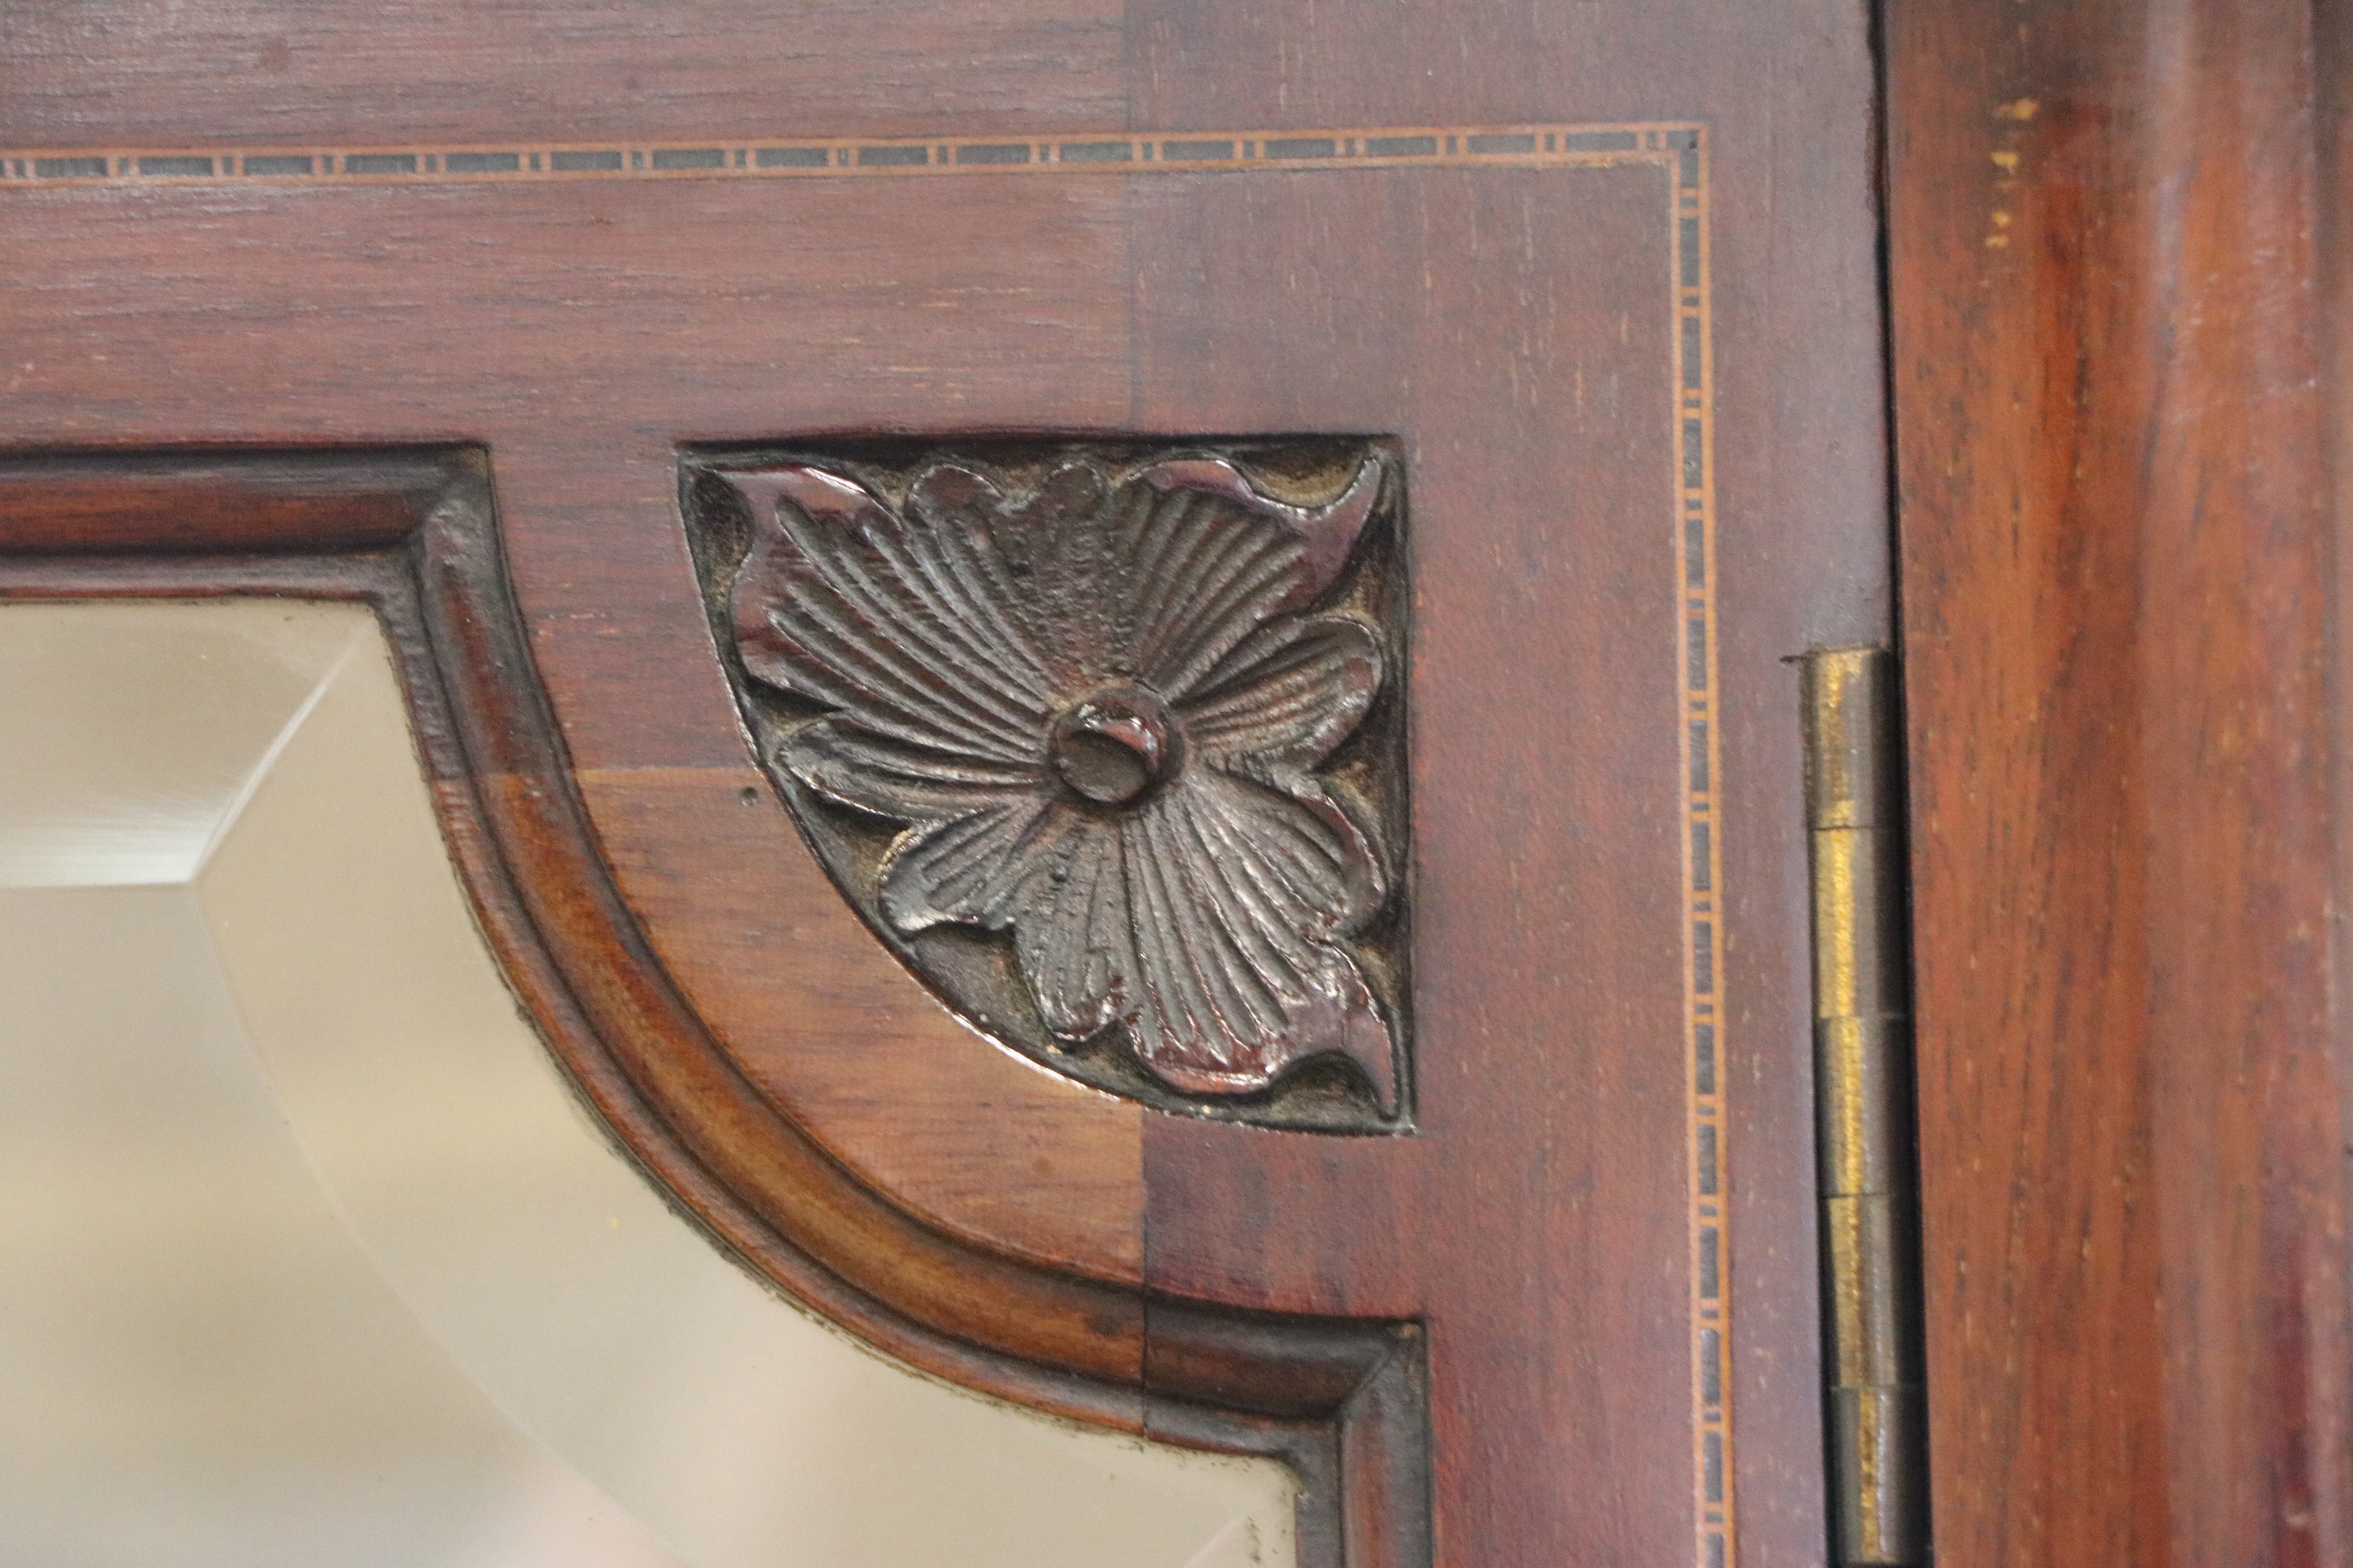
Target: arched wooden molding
[{"x": 412, "y": 532}]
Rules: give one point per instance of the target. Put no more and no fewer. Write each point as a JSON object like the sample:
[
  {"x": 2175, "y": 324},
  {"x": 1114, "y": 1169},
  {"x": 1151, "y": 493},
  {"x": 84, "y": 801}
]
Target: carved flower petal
[
  {"x": 843, "y": 601},
  {"x": 1204, "y": 574},
  {"x": 1073, "y": 936},
  {"x": 985, "y": 867},
  {"x": 1043, "y": 564},
  {"x": 1214, "y": 559},
  {"x": 845, "y": 761},
  {"x": 1208, "y": 924},
  {"x": 1285, "y": 697},
  {"x": 1242, "y": 894}
]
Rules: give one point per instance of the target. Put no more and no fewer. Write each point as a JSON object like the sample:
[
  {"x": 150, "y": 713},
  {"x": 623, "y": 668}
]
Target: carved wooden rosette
[{"x": 1069, "y": 733}]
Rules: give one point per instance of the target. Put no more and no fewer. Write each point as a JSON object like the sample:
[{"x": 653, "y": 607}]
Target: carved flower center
[{"x": 1115, "y": 745}]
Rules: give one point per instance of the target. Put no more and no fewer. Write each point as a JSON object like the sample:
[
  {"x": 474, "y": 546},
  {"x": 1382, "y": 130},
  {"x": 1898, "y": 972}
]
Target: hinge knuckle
[{"x": 1863, "y": 1080}]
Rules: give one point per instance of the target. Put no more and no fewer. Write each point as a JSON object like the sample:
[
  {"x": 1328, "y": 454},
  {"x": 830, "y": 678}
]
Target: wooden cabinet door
[{"x": 1378, "y": 462}]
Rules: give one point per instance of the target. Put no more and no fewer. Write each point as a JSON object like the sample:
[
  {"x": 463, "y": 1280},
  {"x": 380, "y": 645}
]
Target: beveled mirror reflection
[{"x": 308, "y": 1255}]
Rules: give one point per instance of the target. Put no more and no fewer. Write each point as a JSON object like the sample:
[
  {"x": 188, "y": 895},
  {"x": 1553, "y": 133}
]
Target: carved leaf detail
[{"x": 1097, "y": 709}]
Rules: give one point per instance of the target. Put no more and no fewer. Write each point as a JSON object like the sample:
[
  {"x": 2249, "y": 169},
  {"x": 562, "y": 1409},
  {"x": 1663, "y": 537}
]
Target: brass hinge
[{"x": 1863, "y": 1081}]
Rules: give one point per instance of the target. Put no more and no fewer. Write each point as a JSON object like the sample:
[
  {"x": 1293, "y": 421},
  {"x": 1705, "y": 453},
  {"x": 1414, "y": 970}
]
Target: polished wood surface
[
  {"x": 2111, "y": 424},
  {"x": 1514, "y": 328},
  {"x": 807, "y": 1031}
]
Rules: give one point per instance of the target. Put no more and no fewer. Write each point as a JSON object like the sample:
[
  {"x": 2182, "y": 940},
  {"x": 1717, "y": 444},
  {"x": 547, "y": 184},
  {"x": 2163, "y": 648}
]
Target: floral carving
[{"x": 1098, "y": 707}]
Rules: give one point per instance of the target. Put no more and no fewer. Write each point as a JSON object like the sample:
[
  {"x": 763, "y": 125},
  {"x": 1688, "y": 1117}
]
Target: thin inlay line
[
  {"x": 1694, "y": 648},
  {"x": 496, "y": 161}
]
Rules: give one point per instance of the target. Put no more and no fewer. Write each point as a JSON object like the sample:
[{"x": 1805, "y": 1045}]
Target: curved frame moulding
[{"x": 413, "y": 533}]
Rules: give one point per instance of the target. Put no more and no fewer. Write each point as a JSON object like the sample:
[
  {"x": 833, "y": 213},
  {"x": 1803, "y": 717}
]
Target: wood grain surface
[
  {"x": 2116, "y": 501},
  {"x": 1564, "y": 1146},
  {"x": 1511, "y": 327},
  {"x": 843, "y": 1043}
]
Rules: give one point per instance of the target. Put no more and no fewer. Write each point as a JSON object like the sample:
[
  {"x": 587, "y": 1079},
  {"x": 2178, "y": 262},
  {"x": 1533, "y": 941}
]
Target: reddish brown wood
[
  {"x": 83, "y": 72},
  {"x": 877, "y": 1071},
  {"x": 333, "y": 500},
  {"x": 2333, "y": 242},
  {"x": 2116, "y": 568},
  {"x": 1506, "y": 327},
  {"x": 1519, "y": 1157}
]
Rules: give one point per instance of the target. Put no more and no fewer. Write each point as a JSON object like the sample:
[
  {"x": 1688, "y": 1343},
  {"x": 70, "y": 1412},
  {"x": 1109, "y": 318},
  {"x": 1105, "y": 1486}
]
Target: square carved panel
[{"x": 1105, "y": 739}]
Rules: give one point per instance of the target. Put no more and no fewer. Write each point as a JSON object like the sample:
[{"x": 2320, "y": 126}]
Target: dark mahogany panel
[{"x": 1521, "y": 330}]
